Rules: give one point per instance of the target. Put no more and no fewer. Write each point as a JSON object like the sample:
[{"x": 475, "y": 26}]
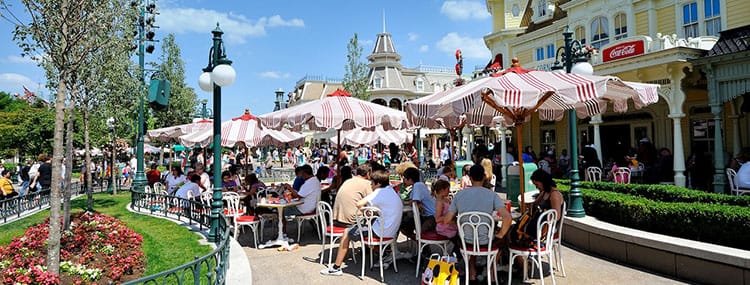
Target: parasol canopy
[
  {"x": 169, "y": 133},
  {"x": 245, "y": 129},
  {"x": 339, "y": 111},
  {"x": 367, "y": 137}
]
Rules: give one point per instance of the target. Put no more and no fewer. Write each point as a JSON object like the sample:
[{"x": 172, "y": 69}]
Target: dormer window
[
  {"x": 516, "y": 11},
  {"x": 543, "y": 10},
  {"x": 420, "y": 84},
  {"x": 377, "y": 83}
]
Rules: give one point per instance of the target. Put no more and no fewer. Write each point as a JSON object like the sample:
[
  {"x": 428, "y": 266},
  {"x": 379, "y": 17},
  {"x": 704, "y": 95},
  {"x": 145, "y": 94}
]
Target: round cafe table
[{"x": 280, "y": 240}]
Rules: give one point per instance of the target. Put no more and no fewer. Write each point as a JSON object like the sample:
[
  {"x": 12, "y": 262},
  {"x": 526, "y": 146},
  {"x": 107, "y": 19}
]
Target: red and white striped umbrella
[
  {"x": 169, "y": 133},
  {"x": 339, "y": 111},
  {"x": 437, "y": 110},
  {"x": 367, "y": 137},
  {"x": 244, "y": 129}
]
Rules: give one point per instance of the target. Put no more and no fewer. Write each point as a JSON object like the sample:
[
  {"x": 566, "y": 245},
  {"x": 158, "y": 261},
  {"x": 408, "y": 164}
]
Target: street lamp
[
  {"x": 112, "y": 186},
  {"x": 219, "y": 73},
  {"x": 574, "y": 57}
]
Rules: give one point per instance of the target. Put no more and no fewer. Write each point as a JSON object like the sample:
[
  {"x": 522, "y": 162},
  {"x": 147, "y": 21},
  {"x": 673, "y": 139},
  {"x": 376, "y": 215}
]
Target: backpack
[{"x": 523, "y": 232}]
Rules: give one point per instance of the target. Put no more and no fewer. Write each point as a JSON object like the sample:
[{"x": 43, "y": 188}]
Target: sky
[{"x": 273, "y": 44}]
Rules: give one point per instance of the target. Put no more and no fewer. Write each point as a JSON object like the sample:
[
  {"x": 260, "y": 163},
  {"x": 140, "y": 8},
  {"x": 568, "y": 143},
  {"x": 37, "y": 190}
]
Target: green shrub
[
  {"x": 712, "y": 223},
  {"x": 666, "y": 193}
]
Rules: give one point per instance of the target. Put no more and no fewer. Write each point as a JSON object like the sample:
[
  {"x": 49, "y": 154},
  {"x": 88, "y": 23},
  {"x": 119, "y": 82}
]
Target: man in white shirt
[
  {"x": 389, "y": 202},
  {"x": 743, "y": 176},
  {"x": 309, "y": 192},
  {"x": 192, "y": 187},
  {"x": 422, "y": 196},
  {"x": 205, "y": 179}
]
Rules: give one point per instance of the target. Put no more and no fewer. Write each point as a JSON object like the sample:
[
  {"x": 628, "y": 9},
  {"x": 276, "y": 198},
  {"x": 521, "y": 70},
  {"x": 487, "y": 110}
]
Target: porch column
[
  {"x": 675, "y": 98},
  {"x": 719, "y": 178},
  {"x": 596, "y": 121},
  {"x": 469, "y": 136},
  {"x": 736, "y": 141},
  {"x": 504, "y": 152}
]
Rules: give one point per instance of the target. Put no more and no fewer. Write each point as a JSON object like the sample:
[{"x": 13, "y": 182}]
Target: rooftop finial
[{"x": 383, "y": 20}]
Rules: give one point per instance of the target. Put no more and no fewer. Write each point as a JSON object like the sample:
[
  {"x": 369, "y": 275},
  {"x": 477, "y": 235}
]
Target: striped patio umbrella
[
  {"x": 169, "y": 133},
  {"x": 339, "y": 111},
  {"x": 245, "y": 129},
  {"x": 517, "y": 94},
  {"x": 367, "y": 137}
]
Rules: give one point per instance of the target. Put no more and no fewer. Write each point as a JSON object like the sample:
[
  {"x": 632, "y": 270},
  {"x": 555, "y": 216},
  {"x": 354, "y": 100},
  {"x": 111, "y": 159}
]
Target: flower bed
[{"x": 98, "y": 249}]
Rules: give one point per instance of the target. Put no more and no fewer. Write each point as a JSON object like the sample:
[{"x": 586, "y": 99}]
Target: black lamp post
[
  {"x": 218, "y": 73},
  {"x": 574, "y": 52}
]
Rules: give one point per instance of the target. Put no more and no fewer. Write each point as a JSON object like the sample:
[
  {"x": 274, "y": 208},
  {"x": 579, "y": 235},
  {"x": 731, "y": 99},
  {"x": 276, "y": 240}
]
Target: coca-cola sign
[{"x": 623, "y": 50}]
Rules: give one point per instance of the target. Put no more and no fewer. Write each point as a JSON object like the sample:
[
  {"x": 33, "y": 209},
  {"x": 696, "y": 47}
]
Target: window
[
  {"x": 599, "y": 36},
  {"x": 580, "y": 34},
  {"x": 690, "y": 20},
  {"x": 540, "y": 54},
  {"x": 712, "y": 13},
  {"x": 377, "y": 82},
  {"x": 541, "y": 8},
  {"x": 420, "y": 84},
  {"x": 621, "y": 26},
  {"x": 515, "y": 10},
  {"x": 550, "y": 51}
]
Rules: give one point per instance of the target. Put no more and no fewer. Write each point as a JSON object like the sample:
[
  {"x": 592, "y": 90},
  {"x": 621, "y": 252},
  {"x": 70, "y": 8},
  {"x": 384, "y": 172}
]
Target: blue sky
[{"x": 273, "y": 44}]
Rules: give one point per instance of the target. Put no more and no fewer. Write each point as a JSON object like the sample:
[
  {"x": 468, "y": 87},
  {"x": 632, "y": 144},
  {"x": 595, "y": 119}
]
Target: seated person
[
  {"x": 193, "y": 186},
  {"x": 420, "y": 195},
  {"x": 227, "y": 183},
  {"x": 479, "y": 199},
  {"x": 351, "y": 191},
  {"x": 6, "y": 185},
  {"x": 252, "y": 183},
  {"x": 619, "y": 178},
  {"x": 743, "y": 176},
  {"x": 309, "y": 192},
  {"x": 441, "y": 189},
  {"x": 384, "y": 198}
]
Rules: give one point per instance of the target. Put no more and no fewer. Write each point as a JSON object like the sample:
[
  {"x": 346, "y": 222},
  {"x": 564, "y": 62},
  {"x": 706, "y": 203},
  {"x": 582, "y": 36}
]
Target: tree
[
  {"x": 182, "y": 99},
  {"x": 67, "y": 32},
  {"x": 355, "y": 78}
]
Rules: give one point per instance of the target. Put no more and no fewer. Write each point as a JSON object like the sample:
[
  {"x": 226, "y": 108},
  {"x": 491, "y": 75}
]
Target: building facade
[{"x": 641, "y": 41}]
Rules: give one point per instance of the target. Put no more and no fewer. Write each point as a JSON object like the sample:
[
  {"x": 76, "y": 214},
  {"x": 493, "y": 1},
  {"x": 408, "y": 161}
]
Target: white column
[
  {"x": 719, "y": 176},
  {"x": 469, "y": 135},
  {"x": 596, "y": 121},
  {"x": 504, "y": 152},
  {"x": 675, "y": 99}
]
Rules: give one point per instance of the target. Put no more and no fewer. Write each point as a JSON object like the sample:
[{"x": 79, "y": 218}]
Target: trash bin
[
  {"x": 460, "y": 167},
  {"x": 514, "y": 186}
]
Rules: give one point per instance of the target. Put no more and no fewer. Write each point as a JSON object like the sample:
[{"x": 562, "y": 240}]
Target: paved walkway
[{"x": 301, "y": 266}]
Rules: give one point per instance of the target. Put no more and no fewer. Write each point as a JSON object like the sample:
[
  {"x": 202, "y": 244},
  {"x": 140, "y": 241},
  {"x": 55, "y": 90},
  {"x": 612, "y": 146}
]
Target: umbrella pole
[
  {"x": 522, "y": 183},
  {"x": 246, "y": 160},
  {"x": 338, "y": 148}
]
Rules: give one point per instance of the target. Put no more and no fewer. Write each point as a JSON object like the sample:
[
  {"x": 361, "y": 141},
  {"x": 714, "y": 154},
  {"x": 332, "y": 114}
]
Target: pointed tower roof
[{"x": 384, "y": 48}]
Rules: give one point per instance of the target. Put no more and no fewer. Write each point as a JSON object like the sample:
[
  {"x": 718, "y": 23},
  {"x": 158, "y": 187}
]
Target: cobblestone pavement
[{"x": 270, "y": 266}]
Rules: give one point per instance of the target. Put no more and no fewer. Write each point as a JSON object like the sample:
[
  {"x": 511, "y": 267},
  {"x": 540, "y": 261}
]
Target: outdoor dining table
[{"x": 280, "y": 239}]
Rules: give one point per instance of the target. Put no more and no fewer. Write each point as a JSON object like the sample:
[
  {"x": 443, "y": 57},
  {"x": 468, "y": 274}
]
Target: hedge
[
  {"x": 666, "y": 193},
  {"x": 712, "y": 223}
]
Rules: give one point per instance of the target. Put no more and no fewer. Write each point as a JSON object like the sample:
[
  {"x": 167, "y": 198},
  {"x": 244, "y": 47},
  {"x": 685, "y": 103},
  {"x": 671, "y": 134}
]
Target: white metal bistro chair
[
  {"x": 543, "y": 247},
  {"x": 593, "y": 174},
  {"x": 365, "y": 219},
  {"x": 477, "y": 231},
  {"x": 557, "y": 241},
  {"x": 334, "y": 233},
  {"x": 427, "y": 238},
  {"x": 733, "y": 186},
  {"x": 239, "y": 218},
  {"x": 622, "y": 175}
]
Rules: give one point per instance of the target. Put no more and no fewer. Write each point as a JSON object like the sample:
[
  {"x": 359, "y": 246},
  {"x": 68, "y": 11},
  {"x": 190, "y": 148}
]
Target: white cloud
[
  {"x": 413, "y": 36},
  {"x": 470, "y": 47},
  {"x": 277, "y": 21},
  {"x": 14, "y": 83},
  {"x": 366, "y": 43},
  {"x": 274, "y": 75},
  {"x": 464, "y": 10},
  {"x": 20, "y": 59},
  {"x": 237, "y": 27},
  {"x": 424, "y": 48}
]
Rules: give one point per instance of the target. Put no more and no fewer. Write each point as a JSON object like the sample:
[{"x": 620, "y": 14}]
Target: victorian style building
[{"x": 666, "y": 42}]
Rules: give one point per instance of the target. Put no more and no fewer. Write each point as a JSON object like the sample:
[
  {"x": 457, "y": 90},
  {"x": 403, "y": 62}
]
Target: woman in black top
[
  {"x": 549, "y": 197},
  {"x": 44, "y": 175}
]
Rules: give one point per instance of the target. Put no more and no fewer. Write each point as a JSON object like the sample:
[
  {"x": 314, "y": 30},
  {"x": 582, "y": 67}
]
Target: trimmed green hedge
[
  {"x": 712, "y": 223},
  {"x": 666, "y": 193}
]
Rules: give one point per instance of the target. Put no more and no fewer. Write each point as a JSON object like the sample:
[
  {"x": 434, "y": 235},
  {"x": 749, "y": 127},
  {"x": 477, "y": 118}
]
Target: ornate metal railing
[
  {"x": 208, "y": 269},
  {"x": 26, "y": 204}
]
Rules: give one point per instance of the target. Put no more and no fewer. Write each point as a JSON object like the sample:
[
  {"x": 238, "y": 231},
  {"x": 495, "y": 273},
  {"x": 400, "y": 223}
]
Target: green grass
[{"x": 165, "y": 243}]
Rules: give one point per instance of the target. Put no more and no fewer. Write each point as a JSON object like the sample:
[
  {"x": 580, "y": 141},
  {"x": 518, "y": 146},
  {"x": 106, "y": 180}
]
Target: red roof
[
  {"x": 340, "y": 93},
  {"x": 246, "y": 117}
]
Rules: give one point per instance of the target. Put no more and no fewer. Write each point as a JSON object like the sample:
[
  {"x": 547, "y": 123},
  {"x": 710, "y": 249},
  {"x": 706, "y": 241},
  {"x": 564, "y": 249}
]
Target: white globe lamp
[
  {"x": 583, "y": 68},
  {"x": 223, "y": 75},
  {"x": 205, "y": 83}
]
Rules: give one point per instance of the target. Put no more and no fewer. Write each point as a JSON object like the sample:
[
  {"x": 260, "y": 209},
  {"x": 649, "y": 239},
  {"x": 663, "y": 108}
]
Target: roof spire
[{"x": 383, "y": 20}]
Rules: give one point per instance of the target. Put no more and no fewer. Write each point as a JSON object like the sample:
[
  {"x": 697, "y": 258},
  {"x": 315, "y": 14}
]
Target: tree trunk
[
  {"x": 68, "y": 168},
  {"x": 87, "y": 160},
  {"x": 161, "y": 155},
  {"x": 53, "y": 241}
]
